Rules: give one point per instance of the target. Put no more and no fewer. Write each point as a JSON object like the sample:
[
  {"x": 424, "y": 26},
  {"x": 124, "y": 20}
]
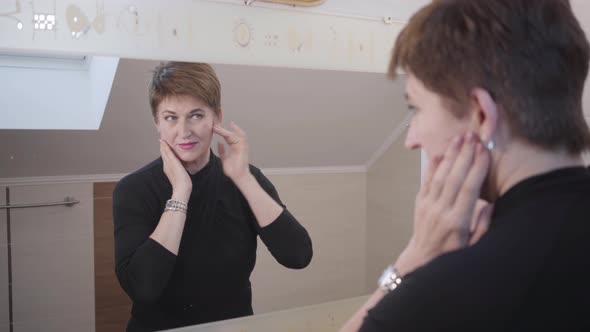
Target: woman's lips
[{"x": 187, "y": 146}]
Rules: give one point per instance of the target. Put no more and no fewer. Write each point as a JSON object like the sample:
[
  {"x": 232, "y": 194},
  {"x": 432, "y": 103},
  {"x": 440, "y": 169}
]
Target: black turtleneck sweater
[
  {"x": 209, "y": 280},
  {"x": 529, "y": 272}
]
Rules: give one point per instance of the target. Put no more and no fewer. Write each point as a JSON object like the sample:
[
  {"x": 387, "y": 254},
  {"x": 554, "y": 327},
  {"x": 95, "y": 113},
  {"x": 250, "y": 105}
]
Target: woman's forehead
[{"x": 184, "y": 103}]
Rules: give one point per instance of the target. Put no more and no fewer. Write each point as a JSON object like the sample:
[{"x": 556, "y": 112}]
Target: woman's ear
[
  {"x": 157, "y": 125},
  {"x": 485, "y": 115},
  {"x": 219, "y": 117}
]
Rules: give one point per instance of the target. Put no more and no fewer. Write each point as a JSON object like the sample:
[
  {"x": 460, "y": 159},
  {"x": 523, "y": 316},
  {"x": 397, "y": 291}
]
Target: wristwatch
[{"x": 390, "y": 279}]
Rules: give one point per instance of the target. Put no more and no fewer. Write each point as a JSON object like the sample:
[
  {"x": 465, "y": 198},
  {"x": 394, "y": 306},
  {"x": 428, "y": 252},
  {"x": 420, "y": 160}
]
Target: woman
[
  {"x": 186, "y": 224},
  {"x": 496, "y": 91}
]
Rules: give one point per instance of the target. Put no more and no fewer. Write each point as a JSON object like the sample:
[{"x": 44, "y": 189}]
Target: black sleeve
[
  {"x": 286, "y": 239},
  {"x": 143, "y": 266},
  {"x": 457, "y": 291},
  {"x": 405, "y": 309}
]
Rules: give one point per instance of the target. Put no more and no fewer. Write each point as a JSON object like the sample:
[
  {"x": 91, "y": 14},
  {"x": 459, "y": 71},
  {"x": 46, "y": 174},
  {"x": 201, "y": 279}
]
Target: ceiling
[{"x": 54, "y": 91}]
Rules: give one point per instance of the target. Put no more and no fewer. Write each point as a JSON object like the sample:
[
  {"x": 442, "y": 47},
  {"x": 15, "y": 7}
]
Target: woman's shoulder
[{"x": 143, "y": 176}]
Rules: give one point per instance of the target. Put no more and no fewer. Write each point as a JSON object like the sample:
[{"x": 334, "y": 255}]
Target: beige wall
[
  {"x": 333, "y": 209},
  {"x": 357, "y": 221},
  {"x": 392, "y": 184},
  {"x": 47, "y": 244}
]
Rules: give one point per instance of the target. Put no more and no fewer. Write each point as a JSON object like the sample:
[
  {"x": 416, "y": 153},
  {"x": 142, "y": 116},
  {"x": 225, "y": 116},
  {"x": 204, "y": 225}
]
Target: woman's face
[
  {"x": 186, "y": 124},
  {"x": 432, "y": 125}
]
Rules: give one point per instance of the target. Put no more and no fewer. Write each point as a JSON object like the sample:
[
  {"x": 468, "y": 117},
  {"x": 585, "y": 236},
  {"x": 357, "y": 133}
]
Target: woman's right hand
[
  {"x": 177, "y": 175},
  {"x": 448, "y": 213}
]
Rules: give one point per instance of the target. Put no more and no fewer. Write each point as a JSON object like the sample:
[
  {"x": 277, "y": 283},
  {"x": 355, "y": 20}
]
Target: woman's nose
[
  {"x": 411, "y": 143},
  {"x": 185, "y": 129}
]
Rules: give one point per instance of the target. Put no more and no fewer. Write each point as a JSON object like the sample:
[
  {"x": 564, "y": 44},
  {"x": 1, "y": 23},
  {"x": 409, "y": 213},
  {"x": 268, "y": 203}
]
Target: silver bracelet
[{"x": 174, "y": 205}]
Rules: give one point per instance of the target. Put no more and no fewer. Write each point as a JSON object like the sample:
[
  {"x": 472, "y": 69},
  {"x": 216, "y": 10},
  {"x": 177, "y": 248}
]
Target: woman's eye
[
  {"x": 197, "y": 116},
  {"x": 169, "y": 118}
]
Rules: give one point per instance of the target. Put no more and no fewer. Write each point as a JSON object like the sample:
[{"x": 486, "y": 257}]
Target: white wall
[{"x": 205, "y": 31}]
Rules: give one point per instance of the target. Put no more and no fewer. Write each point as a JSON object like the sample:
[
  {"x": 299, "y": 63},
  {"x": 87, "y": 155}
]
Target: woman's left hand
[
  {"x": 235, "y": 161},
  {"x": 448, "y": 215}
]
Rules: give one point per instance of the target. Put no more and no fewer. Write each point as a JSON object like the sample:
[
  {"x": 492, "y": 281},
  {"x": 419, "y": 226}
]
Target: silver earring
[{"x": 490, "y": 146}]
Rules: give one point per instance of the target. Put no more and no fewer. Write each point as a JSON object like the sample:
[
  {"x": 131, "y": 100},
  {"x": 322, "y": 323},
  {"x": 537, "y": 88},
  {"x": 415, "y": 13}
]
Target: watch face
[
  {"x": 385, "y": 278},
  {"x": 389, "y": 279}
]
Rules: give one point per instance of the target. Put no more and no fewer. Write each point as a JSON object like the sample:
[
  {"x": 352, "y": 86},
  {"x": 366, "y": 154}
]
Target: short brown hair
[
  {"x": 197, "y": 80},
  {"x": 531, "y": 55}
]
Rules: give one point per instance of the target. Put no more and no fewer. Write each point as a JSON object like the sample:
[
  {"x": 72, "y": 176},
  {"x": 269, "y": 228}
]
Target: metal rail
[{"x": 68, "y": 201}]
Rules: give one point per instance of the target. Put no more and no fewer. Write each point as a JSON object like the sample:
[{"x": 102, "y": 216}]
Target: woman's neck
[
  {"x": 519, "y": 161},
  {"x": 198, "y": 164}
]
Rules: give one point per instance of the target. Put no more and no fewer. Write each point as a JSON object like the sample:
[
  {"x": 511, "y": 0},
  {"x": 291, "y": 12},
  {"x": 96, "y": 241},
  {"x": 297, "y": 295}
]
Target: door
[{"x": 52, "y": 259}]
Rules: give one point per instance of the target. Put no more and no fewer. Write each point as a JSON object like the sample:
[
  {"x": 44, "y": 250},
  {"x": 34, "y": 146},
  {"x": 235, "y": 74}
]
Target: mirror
[{"x": 330, "y": 141}]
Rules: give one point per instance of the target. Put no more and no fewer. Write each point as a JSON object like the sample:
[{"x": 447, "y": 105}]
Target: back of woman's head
[
  {"x": 193, "y": 79},
  {"x": 530, "y": 55}
]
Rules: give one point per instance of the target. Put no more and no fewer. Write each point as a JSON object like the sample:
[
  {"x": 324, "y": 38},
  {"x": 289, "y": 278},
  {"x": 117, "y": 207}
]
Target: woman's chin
[
  {"x": 188, "y": 161},
  {"x": 191, "y": 159}
]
